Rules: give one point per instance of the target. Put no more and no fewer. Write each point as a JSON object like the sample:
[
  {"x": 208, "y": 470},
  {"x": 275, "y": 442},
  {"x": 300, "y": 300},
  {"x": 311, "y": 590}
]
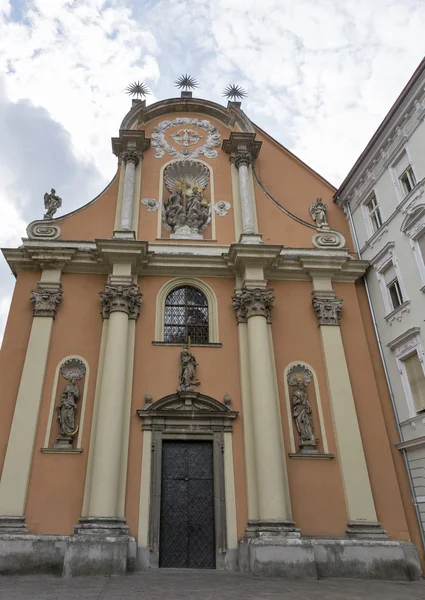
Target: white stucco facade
[{"x": 385, "y": 195}]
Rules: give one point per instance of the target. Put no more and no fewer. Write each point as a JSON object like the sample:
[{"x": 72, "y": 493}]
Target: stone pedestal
[{"x": 63, "y": 443}]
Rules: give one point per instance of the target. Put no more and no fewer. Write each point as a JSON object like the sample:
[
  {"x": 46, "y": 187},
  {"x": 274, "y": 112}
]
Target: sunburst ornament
[
  {"x": 186, "y": 82},
  {"x": 234, "y": 92},
  {"x": 137, "y": 88}
]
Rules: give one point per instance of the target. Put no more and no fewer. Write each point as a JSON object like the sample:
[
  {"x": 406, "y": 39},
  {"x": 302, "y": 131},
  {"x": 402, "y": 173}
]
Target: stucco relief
[
  {"x": 121, "y": 298},
  {"x": 252, "y": 302},
  {"x": 46, "y": 299},
  {"x": 151, "y": 204},
  {"x": 327, "y": 309},
  {"x": 42, "y": 230},
  {"x": 186, "y": 137}
]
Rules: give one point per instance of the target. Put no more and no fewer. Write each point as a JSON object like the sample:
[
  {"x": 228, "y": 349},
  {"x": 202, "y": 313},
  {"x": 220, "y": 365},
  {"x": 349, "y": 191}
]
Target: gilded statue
[{"x": 51, "y": 203}]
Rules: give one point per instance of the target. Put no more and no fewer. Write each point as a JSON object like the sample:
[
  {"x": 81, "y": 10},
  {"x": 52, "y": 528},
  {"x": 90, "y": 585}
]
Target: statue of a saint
[
  {"x": 51, "y": 203},
  {"x": 67, "y": 408},
  {"x": 318, "y": 212},
  {"x": 301, "y": 411},
  {"x": 187, "y": 371}
]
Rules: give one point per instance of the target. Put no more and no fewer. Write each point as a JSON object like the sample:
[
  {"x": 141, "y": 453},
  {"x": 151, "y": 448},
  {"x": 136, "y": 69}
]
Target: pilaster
[
  {"x": 45, "y": 300},
  {"x": 362, "y": 519}
]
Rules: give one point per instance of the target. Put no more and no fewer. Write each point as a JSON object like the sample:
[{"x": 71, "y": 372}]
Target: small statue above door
[{"x": 186, "y": 212}]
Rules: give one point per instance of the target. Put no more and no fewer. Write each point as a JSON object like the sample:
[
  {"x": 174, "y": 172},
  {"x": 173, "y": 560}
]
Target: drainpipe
[{"x": 387, "y": 377}]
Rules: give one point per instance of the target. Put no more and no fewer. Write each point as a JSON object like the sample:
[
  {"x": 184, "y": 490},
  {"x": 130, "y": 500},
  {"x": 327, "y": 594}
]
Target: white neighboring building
[{"x": 383, "y": 196}]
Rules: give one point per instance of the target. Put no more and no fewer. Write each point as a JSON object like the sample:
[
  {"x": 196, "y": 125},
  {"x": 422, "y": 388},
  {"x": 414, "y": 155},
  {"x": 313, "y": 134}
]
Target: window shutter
[
  {"x": 421, "y": 244},
  {"x": 416, "y": 378},
  {"x": 402, "y": 164},
  {"x": 389, "y": 275}
]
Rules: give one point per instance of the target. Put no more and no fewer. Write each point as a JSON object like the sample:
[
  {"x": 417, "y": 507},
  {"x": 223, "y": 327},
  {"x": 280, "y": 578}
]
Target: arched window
[{"x": 186, "y": 315}]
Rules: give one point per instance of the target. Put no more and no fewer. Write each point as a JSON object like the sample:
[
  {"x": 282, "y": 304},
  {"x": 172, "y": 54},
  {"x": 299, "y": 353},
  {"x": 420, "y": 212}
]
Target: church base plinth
[
  {"x": 299, "y": 557},
  {"x": 365, "y": 530},
  {"x": 13, "y": 525},
  {"x": 272, "y": 527}
]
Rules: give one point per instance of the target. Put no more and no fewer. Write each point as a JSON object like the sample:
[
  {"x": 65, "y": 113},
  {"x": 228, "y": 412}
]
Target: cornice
[
  {"x": 401, "y": 125},
  {"x": 184, "y": 259}
]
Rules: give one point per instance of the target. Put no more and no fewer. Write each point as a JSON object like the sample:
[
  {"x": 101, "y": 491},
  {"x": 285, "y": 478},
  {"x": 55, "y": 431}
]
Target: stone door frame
[{"x": 188, "y": 416}]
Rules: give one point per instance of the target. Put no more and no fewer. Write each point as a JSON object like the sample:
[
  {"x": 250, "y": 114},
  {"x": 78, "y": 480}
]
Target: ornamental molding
[
  {"x": 405, "y": 342},
  {"x": 243, "y": 148},
  {"x": 408, "y": 116},
  {"x": 221, "y": 208},
  {"x": 329, "y": 239},
  {"x": 46, "y": 299},
  {"x": 121, "y": 298},
  {"x": 161, "y": 145},
  {"x": 397, "y": 314},
  {"x": 243, "y": 159},
  {"x": 130, "y": 145},
  {"x": 43, "y": 230},
  {"x": 131, "y": 156},
  {"x": 253, "y": 302},
  {"x": 328, "y": 308},
  {"x": 414, "y": 222},
  {"x": 384, "y": 256},
  {"x": 151, "y": 204}
]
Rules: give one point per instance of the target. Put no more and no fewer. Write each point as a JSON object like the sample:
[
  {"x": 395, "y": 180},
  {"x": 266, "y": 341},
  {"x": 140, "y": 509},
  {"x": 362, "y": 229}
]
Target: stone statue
[
  {"x": 300, "y": 377},
  {"x": 187, "y": 371},
  {"x": 186, "y": 212},
  {"x": 51, "y": 203},
  {"x": 318, "y": 212},
  {"x": 73, "y": 370},
  {"x": 67, "y": 408}
]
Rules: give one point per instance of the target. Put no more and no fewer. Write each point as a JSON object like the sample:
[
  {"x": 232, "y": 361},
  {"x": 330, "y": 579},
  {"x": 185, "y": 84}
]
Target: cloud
[{"x": 320, "y": 74}]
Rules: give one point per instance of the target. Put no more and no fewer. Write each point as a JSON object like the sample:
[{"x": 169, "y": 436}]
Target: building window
[
  {"x": 416, "y": 378},
  {"x": 421, "y": 245},
  {"x": 374, "y": 213},
  {"x": 393, "y": 286},
  {"x": 407, "y": 180},
  {"x": 186, "y": 316}
]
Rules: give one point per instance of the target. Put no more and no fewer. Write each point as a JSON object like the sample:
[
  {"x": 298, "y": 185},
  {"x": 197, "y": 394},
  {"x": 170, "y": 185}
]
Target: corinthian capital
[
  {"x": 253, "y": 302},
  {"x": 327, "y": 309},
  {"x": 121, "y": 298},
  {"x": 132, "y": 156},
  {"x": 46, "y": 299},
  {"x": 243, "y": 158}
]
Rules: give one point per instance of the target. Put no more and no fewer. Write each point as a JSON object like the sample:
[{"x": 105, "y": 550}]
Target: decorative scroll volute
[
  {"x": 121, "y": 298},
  {"x": 253, "y": 302}
]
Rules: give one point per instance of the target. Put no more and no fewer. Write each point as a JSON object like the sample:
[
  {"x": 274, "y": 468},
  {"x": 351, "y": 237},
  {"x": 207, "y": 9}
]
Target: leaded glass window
[{"x": 186, "y": 315}]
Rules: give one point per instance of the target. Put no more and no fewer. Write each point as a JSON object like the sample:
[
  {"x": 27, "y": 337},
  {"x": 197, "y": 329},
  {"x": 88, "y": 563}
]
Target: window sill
[
  {"x": 180, "y": 345},
  {"x": 397, "y": 313}
]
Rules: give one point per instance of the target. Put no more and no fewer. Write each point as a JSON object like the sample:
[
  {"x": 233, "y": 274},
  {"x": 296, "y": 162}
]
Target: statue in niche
[
  {"x": 188, "y": 366},
  {"x": 186, "y": 212},
  {"x": 51, "y": 203},
  {"x": 300, "y": 376},
  {"x": 318, "y": 212},
  {"x": 73, "y": 370}
]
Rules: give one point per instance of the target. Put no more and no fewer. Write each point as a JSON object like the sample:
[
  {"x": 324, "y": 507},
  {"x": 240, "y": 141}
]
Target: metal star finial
[
  {"x": 186, "y": 82},
  {"x": 137, "y": 88},
  {"x": 234, "y": 92}
]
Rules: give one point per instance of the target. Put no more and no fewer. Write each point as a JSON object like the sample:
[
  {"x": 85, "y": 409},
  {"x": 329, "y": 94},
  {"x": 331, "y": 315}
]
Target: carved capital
[
  {"x": 132, "y": 156},
  {"x": 121, "y": 298},
  {"x": 46, "y": 299},
  {"x": 327, "y": 309},
  {"x": 253, "y": 302},
  {"x": 243, "y": 158}
]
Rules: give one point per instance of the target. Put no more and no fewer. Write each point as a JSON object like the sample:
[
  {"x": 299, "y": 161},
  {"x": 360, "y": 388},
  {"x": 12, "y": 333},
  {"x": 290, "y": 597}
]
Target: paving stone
[{"x": 169, "y": 584}]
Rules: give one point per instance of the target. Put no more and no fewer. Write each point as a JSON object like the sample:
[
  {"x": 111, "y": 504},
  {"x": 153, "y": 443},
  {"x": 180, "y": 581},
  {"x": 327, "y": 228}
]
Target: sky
[{"x": 320, "y": 77}]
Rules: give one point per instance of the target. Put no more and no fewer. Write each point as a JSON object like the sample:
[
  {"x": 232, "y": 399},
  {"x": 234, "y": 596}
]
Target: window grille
[{"x": 186, "y": 315}]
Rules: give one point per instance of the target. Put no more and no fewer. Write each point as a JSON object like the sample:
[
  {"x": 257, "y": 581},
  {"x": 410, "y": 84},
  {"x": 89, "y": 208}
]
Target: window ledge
[
  {"x": 179, "y": 344},
  {"x": 422, "y": 289},
  {"x": 397, "y": 313}
]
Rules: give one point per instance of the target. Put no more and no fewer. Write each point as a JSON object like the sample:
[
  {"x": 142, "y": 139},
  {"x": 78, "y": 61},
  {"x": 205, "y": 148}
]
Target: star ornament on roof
[
  {"x": 186, "y": 82},
  {"x": 234, "y": 92},
  {"x": 137, "y": 88}
]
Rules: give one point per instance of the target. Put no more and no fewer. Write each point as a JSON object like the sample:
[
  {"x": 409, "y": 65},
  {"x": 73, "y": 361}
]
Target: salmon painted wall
[
  {"x": 56, "y": 487},
  {"x": 380, "y": 464},
  {"x": 94, "y": 220},
  {"x": 156, "y": 371},
  {"x": 317, "y": 497},
  {"x": 294, "y": 186},
  {"x": 13, "y": 351},
  {"x": 150, "y": 188}
]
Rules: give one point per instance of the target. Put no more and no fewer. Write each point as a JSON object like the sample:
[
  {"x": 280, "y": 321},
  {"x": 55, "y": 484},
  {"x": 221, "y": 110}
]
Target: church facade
[{"x": 190, "y": 373}]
